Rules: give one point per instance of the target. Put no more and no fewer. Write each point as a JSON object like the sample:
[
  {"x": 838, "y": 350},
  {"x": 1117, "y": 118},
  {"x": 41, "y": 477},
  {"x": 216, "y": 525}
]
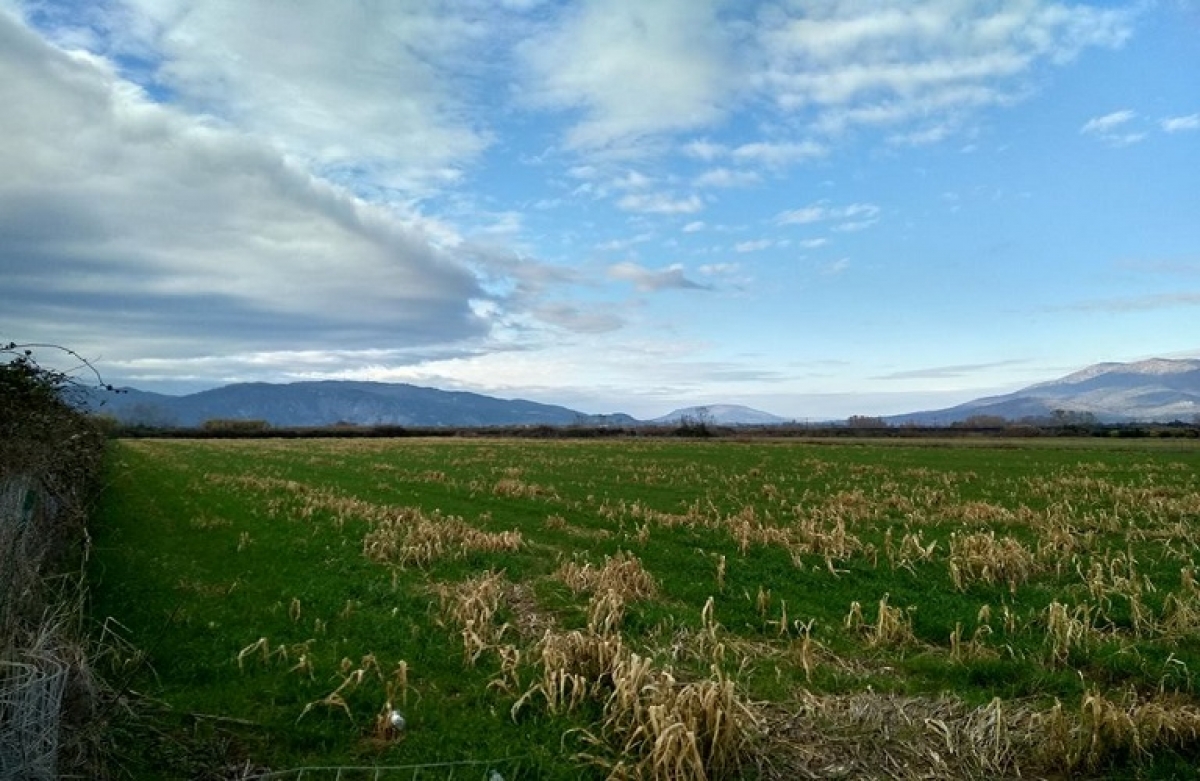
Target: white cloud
[
  {"x": 853, "y": 226},
  {"x": 660, "y": 203},
  {"x": 923, "y": 137},
  {"x": 1107, "y": 123},
  {"x": 755, "y": 245},
  {"x": 804, "y": 215},
  {"x": 632, "y": 180},
  {"x": 778, "y": 154},
  {"x": 855, "y": 213},
  {"x": 580, "y": 319},
  {"x": 375, "y": 90},
  {"x": 620, "y": 245},
  {"x": 633, "y": 69},
  {"x": 1178, "y": 124},
  {"x": 719, "y": 269},
  {"x": 836, "y": 267},
  {"x": 704, "y": 150},
  {"x": 192, "y": 239},
  {"x": 1113, "y": 129},
  {"x": 651, "y": 281},
  {"x": 849, "y": 63},
  {"x": 725, "y": 177},
  {"x": 694, "y": 227}
]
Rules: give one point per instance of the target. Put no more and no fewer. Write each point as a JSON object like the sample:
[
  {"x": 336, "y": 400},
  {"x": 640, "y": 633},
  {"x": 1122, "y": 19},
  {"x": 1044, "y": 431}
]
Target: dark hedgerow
[{"x": 50, "y": 460}]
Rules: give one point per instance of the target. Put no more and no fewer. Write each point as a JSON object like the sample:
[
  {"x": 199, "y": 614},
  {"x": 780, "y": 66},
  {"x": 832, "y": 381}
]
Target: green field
[{"x": 558, "y": 609}]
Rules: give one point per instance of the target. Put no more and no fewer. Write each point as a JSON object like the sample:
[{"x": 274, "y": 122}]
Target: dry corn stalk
[
  {"x": 1068, "y": 629},
  {"x": 622, "y": 573},
  {"x": 981, "y": 557},
  {"x": 409, "y": 537},
  {"x": 472, "y": 606}
]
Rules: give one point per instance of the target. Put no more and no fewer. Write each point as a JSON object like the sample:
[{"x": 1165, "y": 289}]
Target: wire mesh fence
[
  {"x": 30, "y": 709},
  {"x": 507, "y": 769}
]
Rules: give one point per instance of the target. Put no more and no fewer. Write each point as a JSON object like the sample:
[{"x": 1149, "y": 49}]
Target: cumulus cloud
[
  {"x": 632, "y": 69},
  {"x": 364, "y": 91},
  {"x": 187, "y": 238},
  {"x": 652, "y": 281}
]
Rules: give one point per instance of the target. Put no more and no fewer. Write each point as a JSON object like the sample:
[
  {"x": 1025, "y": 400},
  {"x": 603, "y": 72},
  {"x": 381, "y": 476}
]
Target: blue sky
[{"x": 816, "y": 208}]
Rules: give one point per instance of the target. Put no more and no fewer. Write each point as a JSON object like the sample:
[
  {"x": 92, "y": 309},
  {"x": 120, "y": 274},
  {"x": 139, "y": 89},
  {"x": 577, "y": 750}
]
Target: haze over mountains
[{"x": 1157, "y": 390}]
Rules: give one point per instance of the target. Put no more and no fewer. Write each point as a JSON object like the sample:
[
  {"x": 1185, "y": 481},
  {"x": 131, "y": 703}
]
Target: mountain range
[
  {"x": 334, "y": 402},
  {"x": 1155, "y": 390}
]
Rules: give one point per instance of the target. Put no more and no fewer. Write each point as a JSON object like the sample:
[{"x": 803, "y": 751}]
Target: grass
[{"x": 657, "y": 609}]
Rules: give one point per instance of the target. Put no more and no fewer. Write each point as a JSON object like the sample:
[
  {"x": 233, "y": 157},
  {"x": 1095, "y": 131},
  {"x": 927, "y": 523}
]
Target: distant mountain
[
  {"x": 1156, "y": 390},
  {"x": 721, "y": 415},
  {"x": 329, "y": 402}
]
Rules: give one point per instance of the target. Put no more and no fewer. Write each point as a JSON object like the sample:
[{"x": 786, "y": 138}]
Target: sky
[{"x": 817, "y": 208}]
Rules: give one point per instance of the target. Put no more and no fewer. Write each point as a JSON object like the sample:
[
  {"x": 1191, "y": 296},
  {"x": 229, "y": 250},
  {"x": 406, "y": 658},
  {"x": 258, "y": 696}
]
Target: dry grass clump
[
  {"x": 911, "y": 550},
  {"x": 875, "y": 736},
  {"x": 1181, "y": 609},
  {"x": 651, "y": 724},
  {"x": 664, "y": 729},
  {"x": 515, "y": 488},
  {"x": 1105, "y": 729},
  {"x": 576, "y": 667},
  {"x": 472, "y": 605},
  {"x": 694, "y": 514},
  {"x": 870, "y": 735},
  {"x": 980, "y": 513},
  {"x": 407, "y": 536},
  {"x": 300, "y": 501},
  {"x": 622, "y": 573},
  {"x": 892, "y": 627},
  {"x": 819, "y": 531},
  {"x": 1068, "y": 630},
  {"x": 982, "y": 557},
  {"x": 829, "y": 540}
]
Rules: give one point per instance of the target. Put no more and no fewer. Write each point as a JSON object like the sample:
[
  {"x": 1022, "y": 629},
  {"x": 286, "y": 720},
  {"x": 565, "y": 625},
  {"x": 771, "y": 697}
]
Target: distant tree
[
  {"x": 865, "y": 421},
  {"x": 1070, "y": 417},
  {"x": 984, "y": 421},
  {"x": 698, "y": 424},
  {"x": 235, "y": 426}
]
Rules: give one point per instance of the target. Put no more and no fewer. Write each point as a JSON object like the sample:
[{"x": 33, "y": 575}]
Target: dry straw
[
  {"x": 472, "y": 606},
  {"x": 408, "y": 536},
  {"x": 623, "y": 573},
  {"x": 982, "y": 557}
]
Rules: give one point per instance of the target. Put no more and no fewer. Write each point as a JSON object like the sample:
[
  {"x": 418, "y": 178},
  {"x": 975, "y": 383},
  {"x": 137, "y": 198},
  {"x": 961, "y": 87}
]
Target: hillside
[
  {"x": 1155, "y": 390},
  {"x": 326, "y": 403}
]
